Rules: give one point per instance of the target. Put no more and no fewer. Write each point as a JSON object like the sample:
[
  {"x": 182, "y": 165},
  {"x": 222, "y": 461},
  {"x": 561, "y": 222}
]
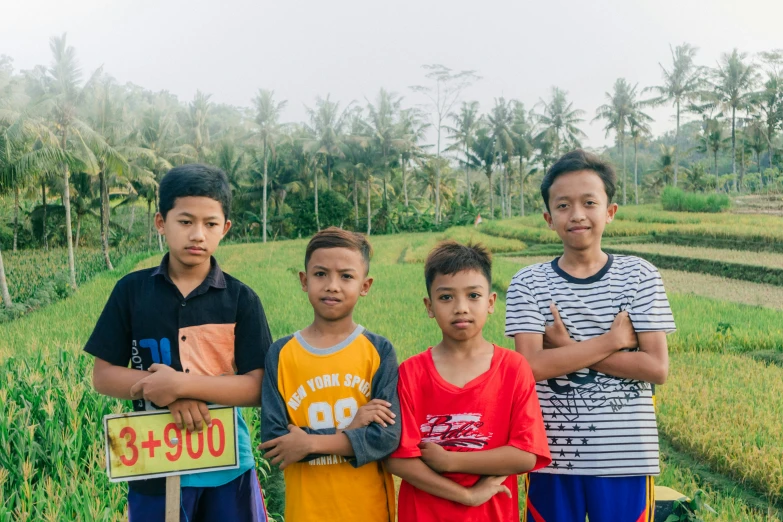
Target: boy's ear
[
  {"x": 366, "y": 284},
  {"x": 303, "y": 281},
  {"x": 548, "y": 219},
  {"x": 428, "y": 305},
  {"x": 611, "y": 210},
  {"x": 226, "y": 227},
  {"x": 159, "y": 223},
  {"x": 492, "y": 298}
]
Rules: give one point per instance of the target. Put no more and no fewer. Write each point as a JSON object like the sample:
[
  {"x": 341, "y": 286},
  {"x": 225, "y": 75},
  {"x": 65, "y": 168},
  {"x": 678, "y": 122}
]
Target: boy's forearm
[
  {"x": 416, "y": 473},
  {"x": 649, "y": 364},
  {"x": 639, "y": 366},
  {"x": 229, "y": 390},
  {"x": 115, "y": 381},
  {"x": 547, "y": 364},
  {"x": 337, "y": 444},
  {"x": 506, "y": 460}
]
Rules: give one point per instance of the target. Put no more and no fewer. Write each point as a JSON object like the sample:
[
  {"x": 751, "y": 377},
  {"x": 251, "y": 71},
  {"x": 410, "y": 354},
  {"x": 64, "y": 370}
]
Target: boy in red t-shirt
[{"x": 470, "y": 416}]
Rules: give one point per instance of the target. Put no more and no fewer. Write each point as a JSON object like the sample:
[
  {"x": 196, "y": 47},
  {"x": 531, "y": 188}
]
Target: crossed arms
[{"x": 555, "y": 353}]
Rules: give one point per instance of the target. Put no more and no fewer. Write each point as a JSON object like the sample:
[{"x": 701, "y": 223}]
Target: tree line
[{"x": 101, "y": 148}]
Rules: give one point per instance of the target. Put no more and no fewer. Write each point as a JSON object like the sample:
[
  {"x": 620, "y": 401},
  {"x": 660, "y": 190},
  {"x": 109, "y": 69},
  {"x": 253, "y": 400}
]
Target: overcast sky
[{"x": 351, "y": 48}]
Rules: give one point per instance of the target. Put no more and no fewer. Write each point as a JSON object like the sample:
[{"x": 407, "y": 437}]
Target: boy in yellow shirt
[{"x": 330, "y": 395}]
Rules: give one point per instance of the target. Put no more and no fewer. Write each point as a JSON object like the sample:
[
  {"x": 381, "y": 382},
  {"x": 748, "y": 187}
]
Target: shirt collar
[{"x": 215, "y": 278}]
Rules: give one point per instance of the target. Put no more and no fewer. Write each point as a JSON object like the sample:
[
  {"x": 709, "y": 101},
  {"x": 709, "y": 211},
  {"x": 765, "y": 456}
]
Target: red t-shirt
[{"x": 497, "y": 408}]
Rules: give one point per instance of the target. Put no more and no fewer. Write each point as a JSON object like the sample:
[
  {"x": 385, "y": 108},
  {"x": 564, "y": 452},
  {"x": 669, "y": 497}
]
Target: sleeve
[
  {"x": 527, "y": 431},
  {"x": 522, "y": 312},
  {"x": 112, "y": 338},
  {"x": 411, "y": 435},
  {"x": 649, "y": 310},
  {"x": 274, "y": 416},
  {"x": 374, "y": 442},
  {"x": 252, "y": 337}
]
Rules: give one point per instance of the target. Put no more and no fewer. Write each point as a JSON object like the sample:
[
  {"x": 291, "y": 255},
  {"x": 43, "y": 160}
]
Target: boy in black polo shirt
[{"x": 186, "y": 334}]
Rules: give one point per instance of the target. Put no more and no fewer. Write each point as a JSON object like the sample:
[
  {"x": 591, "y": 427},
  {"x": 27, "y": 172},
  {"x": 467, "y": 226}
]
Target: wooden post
[{"x": 172, "y": 498}]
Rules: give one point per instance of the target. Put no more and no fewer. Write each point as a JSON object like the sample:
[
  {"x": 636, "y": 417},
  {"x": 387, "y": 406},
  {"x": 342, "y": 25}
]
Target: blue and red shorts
[
  {"x": 238, "y": 501},
  {"x": 572, "y": 498}
]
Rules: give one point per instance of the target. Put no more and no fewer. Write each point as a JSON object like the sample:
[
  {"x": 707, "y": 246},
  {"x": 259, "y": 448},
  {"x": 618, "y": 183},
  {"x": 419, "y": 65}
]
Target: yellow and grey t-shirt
[{"x": 320, "y": 390}]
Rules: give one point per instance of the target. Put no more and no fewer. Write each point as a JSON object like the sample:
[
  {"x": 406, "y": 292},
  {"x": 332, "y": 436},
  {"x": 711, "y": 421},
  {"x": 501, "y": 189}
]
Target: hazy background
[{"x": 352, "y": 48}]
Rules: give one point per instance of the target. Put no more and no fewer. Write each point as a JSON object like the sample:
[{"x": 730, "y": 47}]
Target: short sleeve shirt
[
  {"x": 219, "y": 329},
  {"x": 597, "y": 424},
  {"x": 498, "y": 408}
]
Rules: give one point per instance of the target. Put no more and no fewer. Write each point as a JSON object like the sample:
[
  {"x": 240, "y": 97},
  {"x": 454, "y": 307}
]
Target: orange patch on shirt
[{"x": 208, "y": 349}]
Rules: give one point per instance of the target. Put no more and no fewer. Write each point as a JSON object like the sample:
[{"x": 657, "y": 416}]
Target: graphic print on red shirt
[
  {"x": 455, "y": 432},
  {"x": 497, "y": 408}
]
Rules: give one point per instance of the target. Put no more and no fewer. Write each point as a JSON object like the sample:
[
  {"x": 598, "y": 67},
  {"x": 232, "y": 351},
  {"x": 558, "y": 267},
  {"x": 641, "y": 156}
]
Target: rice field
[
  {"x": 719, "y": 407},
  {"x": 763, "y": 259}
]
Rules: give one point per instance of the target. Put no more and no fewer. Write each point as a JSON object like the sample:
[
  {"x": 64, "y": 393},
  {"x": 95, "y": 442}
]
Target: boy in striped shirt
[{"x": 593, "y": 328}]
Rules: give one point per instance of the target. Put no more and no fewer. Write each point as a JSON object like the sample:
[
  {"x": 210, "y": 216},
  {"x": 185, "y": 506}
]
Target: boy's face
[
  {"x": 460, "y": 303},
  {"x": 579, "y": 209},
  {"x": 334, "y": 280},
  {"x": 193, "y": 229}
]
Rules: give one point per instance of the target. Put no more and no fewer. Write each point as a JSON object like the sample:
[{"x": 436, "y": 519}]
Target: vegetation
[
  {"x": 677, "y": 200},
  {"x": 75, "y": 148}
]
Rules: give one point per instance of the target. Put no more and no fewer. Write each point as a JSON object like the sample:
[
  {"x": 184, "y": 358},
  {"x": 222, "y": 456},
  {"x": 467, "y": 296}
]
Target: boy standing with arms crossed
[
  {"x": 470, "y": 417},
  {"x": 330, "y": 395},
  {"x": 593, "y": 328},
  {"x": 192, "y": 335}
]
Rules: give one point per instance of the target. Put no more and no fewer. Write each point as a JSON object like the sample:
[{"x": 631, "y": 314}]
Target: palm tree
[
  {"x": 638, "y": 129},
  {"x": 482, "y": 157},
  {"x": 733, "y": 82},
  {"x": 663, "y": 173},
  {"x": 466, "y": 123},
  {"x": 198, "y": 114},
  {"x": 712, "y": 139},
  {"x": 382, "y": 128},
  {"x": 411, "y": 132},
  {"x": 326, "y": 125},
  {"x": 757, "y": 141},
  {"x": 681, "y": 83},
  {"x": 770, "y": 102},
  {"x": 500, "y": 121},
  {"x": 109, "y": 149},
  {"x": 28, "y": 151},
  {"x": 267, "y": 116},
  {"x": 522, "y": 135},
  {"x": 616, "y": 113},
  {"x": 67, "y": 95},
  {"x": 560, "y": 121}
]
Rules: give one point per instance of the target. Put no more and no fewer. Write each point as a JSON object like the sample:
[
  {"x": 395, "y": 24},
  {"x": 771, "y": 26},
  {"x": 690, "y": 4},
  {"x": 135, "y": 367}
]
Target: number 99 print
[{"x": 149, "y": 444}]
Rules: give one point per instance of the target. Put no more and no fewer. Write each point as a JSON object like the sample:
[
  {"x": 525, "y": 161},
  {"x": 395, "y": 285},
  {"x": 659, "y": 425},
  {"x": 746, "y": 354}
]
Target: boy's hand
[
  {"x": 434, "y": 456},
  {"x": 160, "y": 387},
  {"x": 190, "y": 414},
  {"x": 556, "y": 334},
  {"x": 622, "y": 332},
  {"x": 485, "y": 489},
  {"x": 377, "y": 410},
  {"x": 288, "y": 449}
]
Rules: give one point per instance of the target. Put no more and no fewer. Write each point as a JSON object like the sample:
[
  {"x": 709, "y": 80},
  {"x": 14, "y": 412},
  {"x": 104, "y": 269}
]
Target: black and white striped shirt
[{"x": 597, "y": 424}]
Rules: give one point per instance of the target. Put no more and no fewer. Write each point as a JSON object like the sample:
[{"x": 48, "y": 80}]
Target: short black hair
[
  {"x": 196, "y": 180},
  {"x": 450, "y": 257},
  {"x": 334, "y": 237},
  {"x": 575, "y": 161}
]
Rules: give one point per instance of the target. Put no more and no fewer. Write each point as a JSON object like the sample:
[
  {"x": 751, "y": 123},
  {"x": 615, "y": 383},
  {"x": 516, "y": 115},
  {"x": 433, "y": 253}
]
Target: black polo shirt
[{"x": 219, "y": 329}]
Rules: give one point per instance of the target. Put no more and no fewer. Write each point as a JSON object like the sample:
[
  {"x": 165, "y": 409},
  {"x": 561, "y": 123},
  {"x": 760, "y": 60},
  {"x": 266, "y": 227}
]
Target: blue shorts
[
  {"x": 239, "y": 500},
  {"x": 571, "y": 498}
]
